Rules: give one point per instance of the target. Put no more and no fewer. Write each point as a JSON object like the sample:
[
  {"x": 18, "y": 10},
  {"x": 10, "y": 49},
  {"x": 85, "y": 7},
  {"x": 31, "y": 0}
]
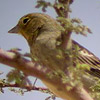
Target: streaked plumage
[{"x": 86, "y": 57}]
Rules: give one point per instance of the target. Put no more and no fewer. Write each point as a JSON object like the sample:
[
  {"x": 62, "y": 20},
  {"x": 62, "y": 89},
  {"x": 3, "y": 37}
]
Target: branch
[
  {"x": 16, "y": 61},
  {"x": 27, "y": 87},
  {"x": 34, "y": 69}
]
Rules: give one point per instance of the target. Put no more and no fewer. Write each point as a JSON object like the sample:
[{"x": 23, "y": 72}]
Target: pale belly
[
  {"x": 54, "y": 89},
  {"x": 53, "y": 59}
]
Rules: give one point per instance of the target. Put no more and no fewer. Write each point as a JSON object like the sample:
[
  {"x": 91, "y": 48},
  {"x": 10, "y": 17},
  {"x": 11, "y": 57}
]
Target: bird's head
[
  {"x": 28, "y": 25},
  {"x": 34, "y": 24}
]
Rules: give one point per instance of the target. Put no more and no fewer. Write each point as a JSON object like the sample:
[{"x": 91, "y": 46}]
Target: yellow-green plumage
[{"x": 44, "y": 36}]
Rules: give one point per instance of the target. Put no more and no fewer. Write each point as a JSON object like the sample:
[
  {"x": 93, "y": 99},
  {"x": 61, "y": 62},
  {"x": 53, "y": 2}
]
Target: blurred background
[{"x": 10, "y": 12}]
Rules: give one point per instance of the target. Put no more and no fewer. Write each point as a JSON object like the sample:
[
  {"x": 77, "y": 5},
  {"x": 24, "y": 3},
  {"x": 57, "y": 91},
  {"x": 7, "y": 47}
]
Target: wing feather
[{"x": 86, "y": 57}]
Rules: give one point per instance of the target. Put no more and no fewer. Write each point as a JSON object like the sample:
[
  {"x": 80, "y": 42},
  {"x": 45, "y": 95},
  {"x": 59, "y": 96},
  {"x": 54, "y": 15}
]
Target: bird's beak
[{"x": 14, "y": 30}]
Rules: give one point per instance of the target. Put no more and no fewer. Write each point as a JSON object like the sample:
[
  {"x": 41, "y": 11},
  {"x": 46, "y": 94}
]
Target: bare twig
[{"x": 44, "y": 90}]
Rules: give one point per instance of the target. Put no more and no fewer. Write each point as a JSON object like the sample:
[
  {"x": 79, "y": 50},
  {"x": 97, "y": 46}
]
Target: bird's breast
[{"x": 52, "y": 58}]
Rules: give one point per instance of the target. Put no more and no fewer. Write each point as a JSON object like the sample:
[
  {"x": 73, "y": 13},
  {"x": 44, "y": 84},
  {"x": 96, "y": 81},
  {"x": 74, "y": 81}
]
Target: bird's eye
[{"x": 25, "y": 20}]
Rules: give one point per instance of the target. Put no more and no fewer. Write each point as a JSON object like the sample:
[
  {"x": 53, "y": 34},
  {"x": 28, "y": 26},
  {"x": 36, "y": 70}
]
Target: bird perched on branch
[{"x": 45, "y": 38}]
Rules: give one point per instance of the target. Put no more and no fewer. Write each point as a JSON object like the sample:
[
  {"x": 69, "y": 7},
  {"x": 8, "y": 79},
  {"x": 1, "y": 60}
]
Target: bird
[{"x": 44, "y": 36}]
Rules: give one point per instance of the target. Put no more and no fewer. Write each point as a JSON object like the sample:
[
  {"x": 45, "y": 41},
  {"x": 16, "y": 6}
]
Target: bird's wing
[{"x": 86, "y": 57}]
